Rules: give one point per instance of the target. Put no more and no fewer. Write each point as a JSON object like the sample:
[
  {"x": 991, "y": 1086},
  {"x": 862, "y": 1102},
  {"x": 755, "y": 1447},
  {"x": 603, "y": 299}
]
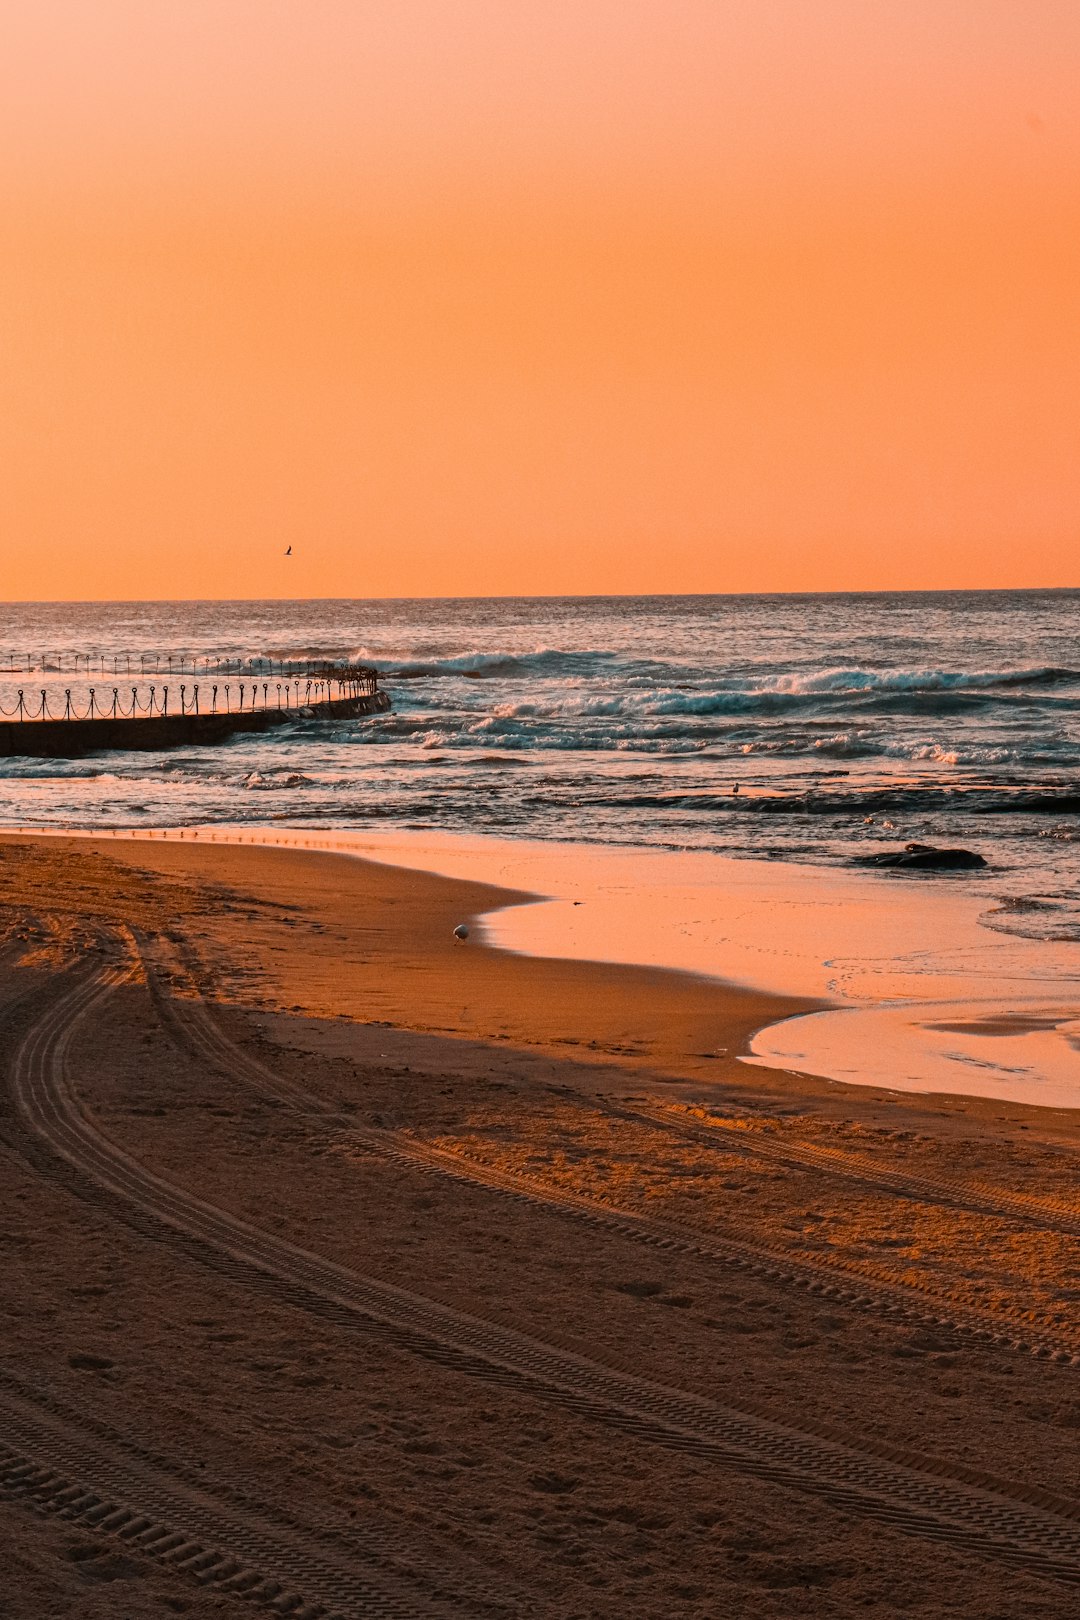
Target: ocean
[{"x": 817, "y": 728}]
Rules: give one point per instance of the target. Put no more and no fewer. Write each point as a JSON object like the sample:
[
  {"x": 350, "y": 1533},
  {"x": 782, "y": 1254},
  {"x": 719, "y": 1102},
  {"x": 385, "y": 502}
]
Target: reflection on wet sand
[{"x": 919, "y": 994}]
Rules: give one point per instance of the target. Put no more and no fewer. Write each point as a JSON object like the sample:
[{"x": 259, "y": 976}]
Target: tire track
[
  {"x": 1050, "y": 1215},
  {"x": 874, "y": 1290},
  {"x": 56, "y": 1461},
  {"x": 21, "y": 1399},
  {"x": 1022, "y": 1526},
  {"x": 63, "y": 1462}
]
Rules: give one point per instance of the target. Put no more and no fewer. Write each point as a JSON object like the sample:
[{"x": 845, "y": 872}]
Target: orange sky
[{"x": 496, "y": 296}]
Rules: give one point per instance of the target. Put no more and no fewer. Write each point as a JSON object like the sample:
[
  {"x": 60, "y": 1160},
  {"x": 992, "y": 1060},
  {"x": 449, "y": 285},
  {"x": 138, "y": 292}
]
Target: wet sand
[
  {"x": 925, "y": 984},
  {"x": 875, "y": 1289}
]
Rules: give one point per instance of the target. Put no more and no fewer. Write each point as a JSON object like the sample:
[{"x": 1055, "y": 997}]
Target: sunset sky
[{"x": 494, "y": 296}]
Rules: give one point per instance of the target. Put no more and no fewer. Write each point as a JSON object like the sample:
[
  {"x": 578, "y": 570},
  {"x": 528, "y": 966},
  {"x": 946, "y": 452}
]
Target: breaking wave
[
  {"x": 844, "y": 723},
  {"x": 555, "y": 664}
]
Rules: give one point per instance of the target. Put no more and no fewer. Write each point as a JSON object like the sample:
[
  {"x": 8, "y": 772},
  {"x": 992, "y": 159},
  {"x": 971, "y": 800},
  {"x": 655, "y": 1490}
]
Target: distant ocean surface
[{"x": 848, "y": 724}]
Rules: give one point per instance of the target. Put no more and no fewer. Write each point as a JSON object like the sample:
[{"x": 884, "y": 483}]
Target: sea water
[
  {"x": 815, "y": 730},
  {"x": 809, "y": 728}
]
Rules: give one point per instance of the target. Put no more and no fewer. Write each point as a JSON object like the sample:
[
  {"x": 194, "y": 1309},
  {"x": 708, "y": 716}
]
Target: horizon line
[{"x": 552, "y": 596}]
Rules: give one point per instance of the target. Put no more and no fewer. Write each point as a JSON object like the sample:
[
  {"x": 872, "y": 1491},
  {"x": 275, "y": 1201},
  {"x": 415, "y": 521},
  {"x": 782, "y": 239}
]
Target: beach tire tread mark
[
  {"x": 43, "y": 1471},
  {"x": 56, "y": 1469},
  {"x": 929, "y": 1498},
  {"x": 1049, "y": 1214},
  {"x": 873, "y": 1290}
]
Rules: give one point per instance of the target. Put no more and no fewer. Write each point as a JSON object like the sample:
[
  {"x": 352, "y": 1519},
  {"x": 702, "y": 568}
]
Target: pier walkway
[{"x": 65, "y": 717}]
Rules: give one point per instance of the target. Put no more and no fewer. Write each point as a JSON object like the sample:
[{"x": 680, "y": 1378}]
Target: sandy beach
[
  {"x": 351, "y": 1270},
  {"x": 540, "y": 811}
]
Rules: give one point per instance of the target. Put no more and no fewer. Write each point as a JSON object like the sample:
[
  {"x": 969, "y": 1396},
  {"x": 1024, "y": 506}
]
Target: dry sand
[{"x": 317, "y": 1070}]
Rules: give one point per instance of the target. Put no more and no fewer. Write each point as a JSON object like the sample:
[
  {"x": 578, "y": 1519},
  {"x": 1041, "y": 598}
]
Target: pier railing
[
  {"x": 236, "y": 691},
  {"x": 84, "y": 665}
]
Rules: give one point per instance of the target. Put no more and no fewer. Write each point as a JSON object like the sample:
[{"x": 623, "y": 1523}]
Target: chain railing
[{"x": 320, "y": 685}]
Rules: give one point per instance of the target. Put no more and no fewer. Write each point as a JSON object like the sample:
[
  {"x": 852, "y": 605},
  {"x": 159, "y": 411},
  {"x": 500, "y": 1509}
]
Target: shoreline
[
  {"x": 538, "y": 1162},
  {"x": 912, "y": 1018},
  {"x": 693, "y": 1032},
  {"x": 646, "y": 1018}
]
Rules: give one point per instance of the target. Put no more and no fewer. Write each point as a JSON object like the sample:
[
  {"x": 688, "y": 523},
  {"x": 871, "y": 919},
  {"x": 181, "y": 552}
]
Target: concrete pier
[{"x": 75, "y": 739}]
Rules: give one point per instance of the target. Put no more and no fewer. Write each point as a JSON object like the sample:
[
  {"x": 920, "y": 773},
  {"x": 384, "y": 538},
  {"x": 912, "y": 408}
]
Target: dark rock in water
[
  {"x": 924, "y": 858},
  {"x": 933, "y": 859}
]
